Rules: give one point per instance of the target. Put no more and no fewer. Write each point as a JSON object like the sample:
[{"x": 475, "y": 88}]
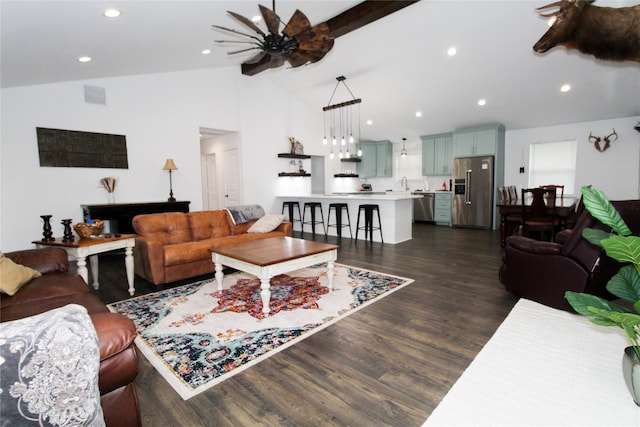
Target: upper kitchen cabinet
[
  {"x": 437, "y": 154},
  {"x": 376, "y": 159},
  {"x": 478, "y": 141}
]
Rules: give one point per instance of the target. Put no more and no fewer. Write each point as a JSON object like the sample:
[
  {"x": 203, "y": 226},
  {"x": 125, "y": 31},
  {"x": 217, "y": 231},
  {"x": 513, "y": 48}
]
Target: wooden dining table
[{"x": 564, "y": 207}]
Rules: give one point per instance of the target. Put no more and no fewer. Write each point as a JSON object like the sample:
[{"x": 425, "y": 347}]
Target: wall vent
[{"x": 95, "y": 95}]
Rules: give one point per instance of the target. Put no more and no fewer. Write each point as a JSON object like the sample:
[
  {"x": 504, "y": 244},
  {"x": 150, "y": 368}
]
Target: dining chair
[
  {"x": 512, "y": 221},
  {"x": 554, "y": 187},
  {"x": 539, "y": 217}
]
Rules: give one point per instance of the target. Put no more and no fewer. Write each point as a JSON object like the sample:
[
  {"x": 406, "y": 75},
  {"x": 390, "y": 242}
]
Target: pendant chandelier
[{"x": 339, "y": 125}]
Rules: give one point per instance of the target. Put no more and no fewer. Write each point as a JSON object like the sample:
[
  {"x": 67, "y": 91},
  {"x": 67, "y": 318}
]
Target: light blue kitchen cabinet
[
  {"x": 479, "y": 141},
  {"x": 442, "y": 208},
  {"x": 437, "y": 154},
  {"x": 376, "y": 159}
]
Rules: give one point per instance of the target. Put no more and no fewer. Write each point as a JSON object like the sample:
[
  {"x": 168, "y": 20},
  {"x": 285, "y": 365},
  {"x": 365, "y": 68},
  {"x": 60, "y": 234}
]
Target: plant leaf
[
  {"x": 623, "y": 249},
  {"x": 601, "y": 209},
  {"x": 629, "y": 321},
  {"x": 586, "y": 303},
  {"x": 594, "y": 236},
  {"x": 625, "y": 284},
  {"x": 602, "y": 322}
]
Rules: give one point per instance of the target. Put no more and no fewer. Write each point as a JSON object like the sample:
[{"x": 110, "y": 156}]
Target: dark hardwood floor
[{"x": 389, "y": 364}]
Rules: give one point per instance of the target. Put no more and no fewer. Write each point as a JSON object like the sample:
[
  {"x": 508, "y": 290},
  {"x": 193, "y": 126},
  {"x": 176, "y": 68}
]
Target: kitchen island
[{"x": 396, "y": 212}]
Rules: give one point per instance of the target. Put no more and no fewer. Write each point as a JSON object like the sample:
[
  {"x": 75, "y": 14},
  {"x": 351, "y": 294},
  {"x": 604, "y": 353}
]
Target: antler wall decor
[{"x": 607, "y": 140}]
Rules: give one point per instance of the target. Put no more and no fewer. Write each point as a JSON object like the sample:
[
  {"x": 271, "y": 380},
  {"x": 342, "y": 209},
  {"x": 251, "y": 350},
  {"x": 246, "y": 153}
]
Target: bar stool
[
  {"x": 290, "y": 206},
  {"x": 337, "y": 209},
  {"x": 368, "y": 221},
  {"x": 312, "y": 206}
]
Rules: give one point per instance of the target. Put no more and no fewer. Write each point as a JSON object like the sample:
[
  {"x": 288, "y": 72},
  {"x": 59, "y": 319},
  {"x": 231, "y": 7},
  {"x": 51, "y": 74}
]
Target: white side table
[{"x": 80, "y": 249}]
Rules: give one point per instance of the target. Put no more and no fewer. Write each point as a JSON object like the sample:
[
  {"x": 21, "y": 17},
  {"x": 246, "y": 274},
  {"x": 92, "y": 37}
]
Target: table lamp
[{"x": 170, "y": 166}]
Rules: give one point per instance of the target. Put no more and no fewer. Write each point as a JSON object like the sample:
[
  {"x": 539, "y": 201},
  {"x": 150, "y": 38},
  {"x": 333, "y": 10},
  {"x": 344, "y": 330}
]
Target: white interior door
[
  {"x": 210, "y": 193},
  {"x": 232, "y": 177},
  {"x": 221, "y": 168}
]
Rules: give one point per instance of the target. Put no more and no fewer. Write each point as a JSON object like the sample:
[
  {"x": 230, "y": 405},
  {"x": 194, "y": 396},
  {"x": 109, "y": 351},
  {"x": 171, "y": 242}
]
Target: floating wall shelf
[
  {"x": 352, "y": 159},
  {"x": 293, "y": 174},
  {"x": 293, "y": 156}
]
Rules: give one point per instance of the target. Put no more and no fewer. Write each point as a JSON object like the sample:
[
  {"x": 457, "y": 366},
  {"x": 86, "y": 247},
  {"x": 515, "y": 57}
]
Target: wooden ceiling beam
[
  {"x": 364, "y": 13},
  {"x": 358, "y": 16}
]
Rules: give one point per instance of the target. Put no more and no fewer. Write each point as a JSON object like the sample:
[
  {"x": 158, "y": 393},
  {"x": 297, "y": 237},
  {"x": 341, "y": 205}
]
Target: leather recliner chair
[
  {"x": 58, "y": 287},
  {"x": 544, "y": 271}
]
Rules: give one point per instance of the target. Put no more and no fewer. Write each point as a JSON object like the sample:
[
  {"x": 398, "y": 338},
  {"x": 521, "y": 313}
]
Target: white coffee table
[
  {"x": 80, "y": 249},
  {"x": 269, "y": 257}
]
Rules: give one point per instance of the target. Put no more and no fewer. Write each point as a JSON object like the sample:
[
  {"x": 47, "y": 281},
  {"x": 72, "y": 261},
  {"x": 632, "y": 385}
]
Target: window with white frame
[{"x": 553, "y": 163}]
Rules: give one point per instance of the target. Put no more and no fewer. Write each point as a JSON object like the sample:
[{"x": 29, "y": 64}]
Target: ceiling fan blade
[
  {"x": 270, "y": 18},
  {"x": 316, "y": 38},
  {"x": 296, "y": 59},
  {"x": 312, "y": 56},
  {"x": 231, "y": 30},
  {"x": 242, "y": 50},
  {"x": 256, "y": 58},
  {"x": 276, "y": 61},
  {"x": 296, "y": 24},
  {"x": 246, "y": 22}
]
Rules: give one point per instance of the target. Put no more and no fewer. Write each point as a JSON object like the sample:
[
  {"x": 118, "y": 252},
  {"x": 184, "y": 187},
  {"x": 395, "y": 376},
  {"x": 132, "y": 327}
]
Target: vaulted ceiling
[{"x": 398, "y": 65}]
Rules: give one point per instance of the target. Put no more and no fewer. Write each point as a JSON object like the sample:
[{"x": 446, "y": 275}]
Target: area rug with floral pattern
[{"x": 197, "y": 336}]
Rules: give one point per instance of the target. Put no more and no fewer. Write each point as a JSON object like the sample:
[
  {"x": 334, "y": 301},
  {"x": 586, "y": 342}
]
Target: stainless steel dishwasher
[{"x": 423, "y": 207}]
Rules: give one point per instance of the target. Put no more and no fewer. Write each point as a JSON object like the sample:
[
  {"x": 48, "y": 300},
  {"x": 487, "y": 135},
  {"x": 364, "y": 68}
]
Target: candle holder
[
  {"x": 47, "y": 234},
  {"x": 68, "y": 234}
]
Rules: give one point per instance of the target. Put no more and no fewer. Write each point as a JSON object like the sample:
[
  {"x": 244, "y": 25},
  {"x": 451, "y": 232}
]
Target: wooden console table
[
  {"x": 80, "y": 249},
  {"x": 121, "y": 214}
]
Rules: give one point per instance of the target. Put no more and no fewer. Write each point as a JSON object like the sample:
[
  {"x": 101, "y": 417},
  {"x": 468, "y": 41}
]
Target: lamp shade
[{"x": 169, "y": 165}]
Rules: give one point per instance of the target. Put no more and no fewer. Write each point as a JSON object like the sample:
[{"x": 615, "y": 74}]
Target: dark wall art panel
[{"x": 77, "y": 149}]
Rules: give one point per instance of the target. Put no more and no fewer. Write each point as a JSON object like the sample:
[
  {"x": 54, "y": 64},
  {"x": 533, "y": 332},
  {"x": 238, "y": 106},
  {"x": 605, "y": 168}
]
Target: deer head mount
[
  {"x": 605, "y": 32},
  {"x": 607, "y": 140}
]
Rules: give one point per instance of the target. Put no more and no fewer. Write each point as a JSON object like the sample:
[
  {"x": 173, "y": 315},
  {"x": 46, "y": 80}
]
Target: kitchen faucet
[{"x": 404, "y": 184}]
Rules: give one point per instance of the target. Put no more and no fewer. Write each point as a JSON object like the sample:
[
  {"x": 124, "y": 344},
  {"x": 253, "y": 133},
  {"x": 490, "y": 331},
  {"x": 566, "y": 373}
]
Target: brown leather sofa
[
  {"x": 57, "y": 288},
  {"x": 544, "y": 271},
  {"x": 174, "y": 245}
]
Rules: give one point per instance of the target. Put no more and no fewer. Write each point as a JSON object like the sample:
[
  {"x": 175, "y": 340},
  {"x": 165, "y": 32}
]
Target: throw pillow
[
  {"x": 266, "y": 224},
  {"x": 13, "y": 276},
  {"x": 49, "y": 366}
]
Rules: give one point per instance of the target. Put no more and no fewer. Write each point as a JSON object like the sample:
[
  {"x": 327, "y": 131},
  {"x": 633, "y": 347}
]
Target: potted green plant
[{"x": 620, "y": 245}]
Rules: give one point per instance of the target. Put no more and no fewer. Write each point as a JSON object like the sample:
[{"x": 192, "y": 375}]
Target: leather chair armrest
[
  {"x": 286, "y": 227},
  {"x": 115, "y": 333},
  {"x": 148, "y": 257},
  {"x": 45, "y": 260},
  {"x": 118, "y": 356},
  {"x": 532, "y": 246}
]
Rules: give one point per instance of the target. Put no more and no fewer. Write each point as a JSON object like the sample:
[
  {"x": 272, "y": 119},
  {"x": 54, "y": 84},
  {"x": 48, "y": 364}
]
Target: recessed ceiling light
[
  {"x": 482, "y": 102},
  {"x": 256, "y": 18},
  {"x": 369, "y": 122},
  {"x": 206, "y": 51},
  {"x": 84, "y": 59},
  {"x": 565, "y": 87},
  {"x": 111, "y": 13},
  {"x": 418, "y": 113},
  {"x": 452, "y": 51}
]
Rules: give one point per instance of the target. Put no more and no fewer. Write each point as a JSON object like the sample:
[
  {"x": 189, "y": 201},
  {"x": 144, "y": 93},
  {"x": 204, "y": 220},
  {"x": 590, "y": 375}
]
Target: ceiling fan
[{"x": 299, "y": 43}]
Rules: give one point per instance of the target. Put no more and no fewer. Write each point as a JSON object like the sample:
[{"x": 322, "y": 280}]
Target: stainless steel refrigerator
[{"x": 472, "y": 192}]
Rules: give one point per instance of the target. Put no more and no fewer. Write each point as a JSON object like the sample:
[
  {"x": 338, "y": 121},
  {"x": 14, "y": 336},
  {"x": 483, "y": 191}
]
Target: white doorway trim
[{"x": 220, "y": 153}]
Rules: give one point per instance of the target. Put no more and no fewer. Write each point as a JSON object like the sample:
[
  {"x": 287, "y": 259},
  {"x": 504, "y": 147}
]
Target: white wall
[
  {"x": 614, "y": 171},
  {"x": 161, "y": 115}
]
